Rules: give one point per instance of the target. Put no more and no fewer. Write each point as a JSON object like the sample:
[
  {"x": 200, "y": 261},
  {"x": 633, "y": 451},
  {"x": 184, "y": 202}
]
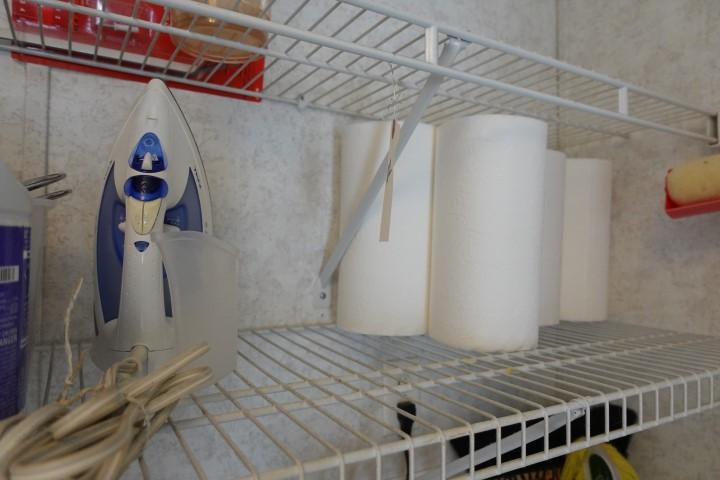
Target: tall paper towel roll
[
  {"x": 553, "y": 203},
  {"x": 484, "y": 287},
  {"x": 586, "y": 240},
  {"x": 382, "y": 287}
]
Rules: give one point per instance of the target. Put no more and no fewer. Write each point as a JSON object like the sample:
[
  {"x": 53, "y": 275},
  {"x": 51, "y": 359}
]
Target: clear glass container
[{"x": 215, "y": 27}]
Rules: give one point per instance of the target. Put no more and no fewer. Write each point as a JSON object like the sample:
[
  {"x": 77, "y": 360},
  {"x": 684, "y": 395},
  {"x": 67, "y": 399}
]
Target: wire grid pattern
[
  {"x": 353, "y": 57},
  {"x": 319, "y": 402}
]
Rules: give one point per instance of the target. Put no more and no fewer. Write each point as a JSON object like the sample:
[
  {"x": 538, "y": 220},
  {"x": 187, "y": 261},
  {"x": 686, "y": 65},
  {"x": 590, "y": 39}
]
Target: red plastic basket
[{"x": 86, "y": 30}]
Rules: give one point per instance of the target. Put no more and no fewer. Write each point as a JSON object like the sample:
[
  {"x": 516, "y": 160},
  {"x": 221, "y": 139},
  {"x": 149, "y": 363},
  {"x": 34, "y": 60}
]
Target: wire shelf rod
[
  {"x": 245, "y": 35},
  {"x": 240, "y": 455},
  {"x": 179, "y": 45},
  {"x": 379, "y": 62},
  {"x": 317, "y": 46},
  {"x": 412, "y": 441},
  {"x": 462, "y": 99},
  {"x": 353, "y": 431},
  {"x": 100, "y": 28},
  {"x": 443, "y": 92},
  {"x": 40, "y": 26},
  {"x": 256, "y": 56},
  {"x": 357, "y": 59},
  {"x": 313, "y": 52},
  {"x": 334, "y": 56},
  {"x": 151, "y": 45},
  {"x": 70, "y": 29},
  {"x": 194, "y": 462},
  {"x": 450, "y": 89},
  {"x": 200, "y": 57},
  {"x": 126, "y": 38},
  {"x": 560, "y": 65}
]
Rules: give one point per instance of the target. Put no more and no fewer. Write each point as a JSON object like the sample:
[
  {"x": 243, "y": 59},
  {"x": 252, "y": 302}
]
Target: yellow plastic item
[
  {"x": 695, "y": 181},
  {"x": 602, "y": 462}
]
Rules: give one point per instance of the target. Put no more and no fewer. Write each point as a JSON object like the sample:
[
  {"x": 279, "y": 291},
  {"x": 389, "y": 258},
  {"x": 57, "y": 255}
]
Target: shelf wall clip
[
  {"x": 713, "y": 129},
  {"x": 452, "y": 48},
  {"x": 431, "y": 45},
  {"x": 623, "y": 101}
]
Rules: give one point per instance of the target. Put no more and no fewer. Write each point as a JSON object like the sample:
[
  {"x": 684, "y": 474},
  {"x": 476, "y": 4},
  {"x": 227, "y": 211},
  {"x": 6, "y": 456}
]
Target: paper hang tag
[{"x": 387, "y": 198}]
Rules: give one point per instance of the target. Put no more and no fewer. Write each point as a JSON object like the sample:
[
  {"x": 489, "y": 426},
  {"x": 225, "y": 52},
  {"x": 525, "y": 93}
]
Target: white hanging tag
[{"x": 387, "y": 198}]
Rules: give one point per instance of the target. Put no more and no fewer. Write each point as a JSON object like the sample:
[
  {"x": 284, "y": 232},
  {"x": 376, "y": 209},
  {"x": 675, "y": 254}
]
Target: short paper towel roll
[
  {"x": 382, "y": 287},
  {"x": 586, "y": 240},
  {"x": 554, "y": 200},
  {"x": 484, "y": 287}
]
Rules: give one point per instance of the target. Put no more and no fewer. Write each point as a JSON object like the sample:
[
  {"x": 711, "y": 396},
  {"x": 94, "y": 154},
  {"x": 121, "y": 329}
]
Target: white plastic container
[
  {"x": 15, "y": 221},
  {"x": 202, "y": 273}
]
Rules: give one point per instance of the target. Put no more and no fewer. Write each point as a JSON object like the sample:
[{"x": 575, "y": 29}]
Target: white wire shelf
[
  {"x": 318, "y": 402},
  {"x": 349, "y": 56}
]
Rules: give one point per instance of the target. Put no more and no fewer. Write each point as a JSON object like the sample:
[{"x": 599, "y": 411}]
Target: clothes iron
[{"x": 156, "y": 195}]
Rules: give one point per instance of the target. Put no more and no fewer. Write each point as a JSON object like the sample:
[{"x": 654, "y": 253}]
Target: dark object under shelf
[
  {"x": 557, "y": 439},
  {"x": 406, "y": 425}
]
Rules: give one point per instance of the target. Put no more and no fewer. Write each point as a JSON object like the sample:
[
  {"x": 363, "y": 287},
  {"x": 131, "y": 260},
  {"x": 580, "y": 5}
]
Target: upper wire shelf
[{"x": 352, "y": 57}]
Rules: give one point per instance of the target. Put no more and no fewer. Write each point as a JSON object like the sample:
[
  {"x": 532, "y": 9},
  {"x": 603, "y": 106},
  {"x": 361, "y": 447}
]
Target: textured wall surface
[
  {"x": 272, "y": 169},
  {"x": 273, "y": 175},
  {"x": 663, "y": 273}
]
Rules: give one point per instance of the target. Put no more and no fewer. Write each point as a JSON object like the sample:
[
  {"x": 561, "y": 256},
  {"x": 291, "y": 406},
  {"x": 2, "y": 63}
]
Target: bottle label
[{"x": 14, "y": 290}]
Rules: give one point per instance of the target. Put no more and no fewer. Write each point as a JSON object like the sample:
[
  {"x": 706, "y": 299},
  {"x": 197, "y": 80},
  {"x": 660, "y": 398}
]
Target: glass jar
[{"x": 215, "y": 27}]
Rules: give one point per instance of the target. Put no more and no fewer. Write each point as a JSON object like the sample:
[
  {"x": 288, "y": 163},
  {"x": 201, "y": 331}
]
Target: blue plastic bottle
[{"x": 15, "y": 213}]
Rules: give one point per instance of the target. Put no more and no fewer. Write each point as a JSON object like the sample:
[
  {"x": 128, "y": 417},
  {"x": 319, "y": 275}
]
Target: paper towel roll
[
  {"x": 553, "y": 202},
  {"x": 382, "y": 287},
  {"x": 484, "y": 287},
  {"x": 586, "y": 240}
]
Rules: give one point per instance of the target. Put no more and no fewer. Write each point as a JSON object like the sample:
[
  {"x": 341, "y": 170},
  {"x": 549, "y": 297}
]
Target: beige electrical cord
[
  {"x": 108, "y": 426},
  {"x": 101, "y": 436}
]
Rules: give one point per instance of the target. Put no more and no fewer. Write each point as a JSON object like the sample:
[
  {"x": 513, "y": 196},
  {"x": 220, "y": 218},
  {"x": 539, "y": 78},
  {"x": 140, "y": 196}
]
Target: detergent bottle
[{"x": 15, "y": 217}]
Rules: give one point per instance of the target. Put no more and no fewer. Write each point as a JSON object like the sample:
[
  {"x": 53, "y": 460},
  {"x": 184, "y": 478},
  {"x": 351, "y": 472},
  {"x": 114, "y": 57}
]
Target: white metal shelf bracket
[{"x": 432, "y": 84}]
